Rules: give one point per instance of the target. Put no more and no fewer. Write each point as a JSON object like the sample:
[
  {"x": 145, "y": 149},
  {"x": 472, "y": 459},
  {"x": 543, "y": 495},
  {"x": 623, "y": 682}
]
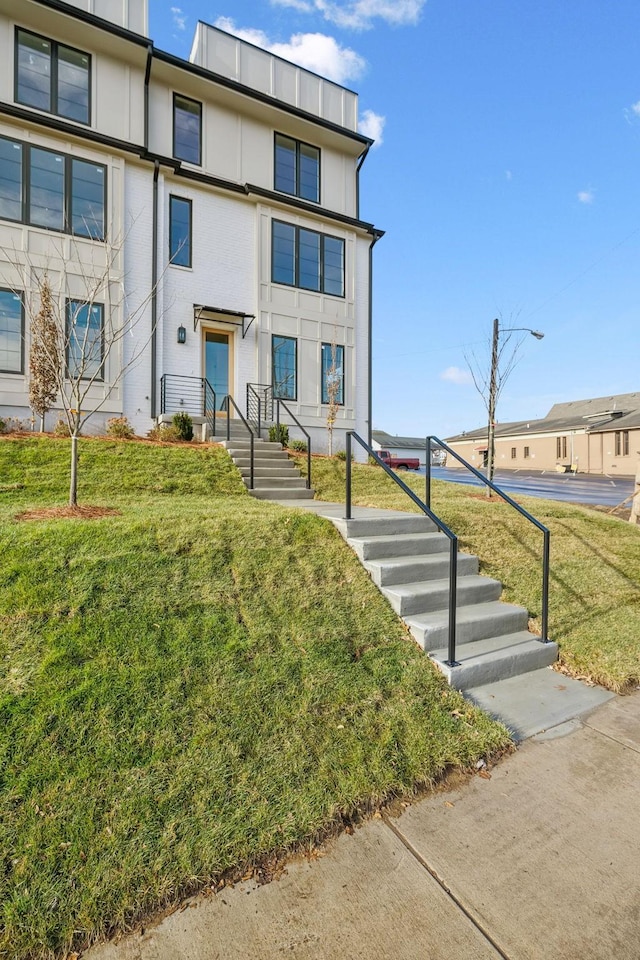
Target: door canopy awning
[{"x": 236, "y": 317}]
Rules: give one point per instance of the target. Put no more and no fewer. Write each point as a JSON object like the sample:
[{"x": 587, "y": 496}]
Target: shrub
[
  {"x": 183, "y": 424},
  {"x": 61, "y": 428},
  {"x": 164, "y": 432},
  {"x": 300, "y": 446},
  {"x": 279, "y": 434},
  {"x": 342, "y": 455},
  {"x": 3, "y": 425},
  {"x": 120, "y": 428}
]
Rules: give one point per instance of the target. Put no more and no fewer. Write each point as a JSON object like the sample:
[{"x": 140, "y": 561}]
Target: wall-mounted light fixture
[{"x": 182, "y": 334}]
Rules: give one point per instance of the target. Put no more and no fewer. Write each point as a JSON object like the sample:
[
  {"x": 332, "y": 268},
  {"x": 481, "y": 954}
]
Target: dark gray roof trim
[{"x": 138, "y": 150}]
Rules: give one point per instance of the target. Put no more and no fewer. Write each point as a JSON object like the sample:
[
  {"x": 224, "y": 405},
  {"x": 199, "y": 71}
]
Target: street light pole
[{"x": 493, "y": 391}]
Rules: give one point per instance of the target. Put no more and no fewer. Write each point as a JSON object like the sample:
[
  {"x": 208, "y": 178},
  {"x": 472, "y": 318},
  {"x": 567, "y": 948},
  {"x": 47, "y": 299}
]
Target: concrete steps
[
  {"x": 275, "y": 476},
  {"x": 409, "y": 560}
]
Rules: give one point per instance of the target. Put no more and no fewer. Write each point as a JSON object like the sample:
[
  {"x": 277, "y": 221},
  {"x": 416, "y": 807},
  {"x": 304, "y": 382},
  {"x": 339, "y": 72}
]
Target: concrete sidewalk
[{"x": 539, "y": 861}]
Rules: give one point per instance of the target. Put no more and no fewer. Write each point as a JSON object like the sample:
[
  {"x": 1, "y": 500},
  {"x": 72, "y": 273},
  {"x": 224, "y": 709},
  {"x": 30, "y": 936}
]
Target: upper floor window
[
  {"x": 85, "y": 342},
  {"x": 297, "y": 167},
  {"x": 187, "y": 129},
  {"x": 49, "y": 189},
  {"x": 180, "y": 231},
  {"x": 53, "y": 77},
  {"x": 304, "y": 258},
  {"x": 333, "y": 373},
  {"x": 11, "y": 332}
]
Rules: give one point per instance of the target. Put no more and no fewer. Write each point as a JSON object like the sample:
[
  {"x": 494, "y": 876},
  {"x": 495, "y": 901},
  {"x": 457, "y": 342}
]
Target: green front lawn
[{"x": 187, "y": 687}]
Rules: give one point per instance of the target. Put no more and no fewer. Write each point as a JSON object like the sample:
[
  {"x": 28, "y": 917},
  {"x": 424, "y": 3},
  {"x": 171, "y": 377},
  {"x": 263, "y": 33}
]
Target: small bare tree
[
  {"x": 44, "y": 354},
  {"x": 333, "y": 382},
  {"x": 84, "y": 361},
  {"x": 489, "y": 380}
]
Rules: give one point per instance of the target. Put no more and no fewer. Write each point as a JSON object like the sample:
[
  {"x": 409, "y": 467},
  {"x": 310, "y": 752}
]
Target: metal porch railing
[
  {"x": 259, "y": 404},
  {"x": 281, "y": 403},
  {"x": 192, "y": 395}
]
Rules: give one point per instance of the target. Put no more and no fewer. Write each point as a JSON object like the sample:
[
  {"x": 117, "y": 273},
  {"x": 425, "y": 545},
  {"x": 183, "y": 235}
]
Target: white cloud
[
  {"x": 635, "y": 108},
  {"x": 313, "y": 51},
  {"x": 372, "y": 125},
  {"x": 360, "y": 14},
  {"x": 585, "y": 196},
  {"x": 508, "y": 174},
  {"x": 456, "y": 375},
  {"x": 179, "y": 18},
  {"x": 632, "y": 113}
]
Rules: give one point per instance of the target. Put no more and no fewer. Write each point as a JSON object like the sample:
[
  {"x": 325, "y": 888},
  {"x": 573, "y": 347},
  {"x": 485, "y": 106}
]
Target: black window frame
[
  {"x": 198, "y": 103},
  {"x": 68, "y": 191},
  {"x": 296, "y": 256},
  {"x": 339, "y": 347},
  {"x": 514, "y": 453},
  {"x": 99, "y": 376},
  {"x": 294, "y": 340},
  {"x": 174, "y": 197},
  {"x": 20, "y": 372},
  {"x": 54, "y": 92},
  {"x": 296, "y": 192}
]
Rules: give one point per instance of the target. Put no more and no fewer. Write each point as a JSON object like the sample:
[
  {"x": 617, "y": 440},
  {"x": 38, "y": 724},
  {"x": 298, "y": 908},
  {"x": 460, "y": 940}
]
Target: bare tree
[
  {"x": 490, "y": 380},
  {"x": 84, "y": 361},
  {"x": 44, "y": 355}
]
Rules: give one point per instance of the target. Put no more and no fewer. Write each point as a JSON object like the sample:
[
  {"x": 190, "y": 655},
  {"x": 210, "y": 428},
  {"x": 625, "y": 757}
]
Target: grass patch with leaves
[
  {"x": 595, "y": 563},
  {"x": 187, "y": 686}
]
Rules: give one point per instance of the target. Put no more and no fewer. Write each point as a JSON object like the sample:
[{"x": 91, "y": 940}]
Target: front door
[{"x": 217, "y": 356}]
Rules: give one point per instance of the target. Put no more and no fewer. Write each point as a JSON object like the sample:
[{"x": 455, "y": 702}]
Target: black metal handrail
[
  {"x": 226, "y": 404},
  {"x": 546, "y": 533},
  {"x": 192, "y": 395},
  {"x": 259, "y": 403},
  {"x": 453, "y": 540},
  {"x": 300, "y": 427}
]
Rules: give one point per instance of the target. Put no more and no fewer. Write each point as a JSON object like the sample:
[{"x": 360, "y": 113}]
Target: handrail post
[
  {"x": 228, "y": 417},
  {"x": 348, "y": 477},
  {"x": 308, "y": 465},
  {"x": 278, "y": 419},
  {"x": 213, "y": 414},
  {"x": 545, "y": 587},
  {"x": 259, "y": 416},
  {"x": 251, "y": 464},
  {"x": 427, "y": 464},
  {"x": 453, "y": 583}
]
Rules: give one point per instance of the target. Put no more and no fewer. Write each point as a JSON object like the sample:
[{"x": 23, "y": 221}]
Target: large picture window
[
  {"x": 187, "y": 129},
  {"x": 284, "y": 367},
  {"x": 85, "y": 341},
  {"x": 180, "y": 231},
  {"x": 297, "y": 168},
  {"x": 307, "y": 259},
  {"x": 11, "y": 332},
  {"x": 53, "y": 77},
  {"x": 333, "y": 373},
  {"x": 51, "y": 190}
]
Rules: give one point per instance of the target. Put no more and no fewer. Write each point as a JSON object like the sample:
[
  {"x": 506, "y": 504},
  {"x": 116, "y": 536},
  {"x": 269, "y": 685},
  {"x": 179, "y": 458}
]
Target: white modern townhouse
[{"x": 213, "y": 204}]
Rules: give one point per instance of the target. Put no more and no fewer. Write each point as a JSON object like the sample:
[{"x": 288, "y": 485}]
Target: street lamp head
[{"x": 536, "y": 334}]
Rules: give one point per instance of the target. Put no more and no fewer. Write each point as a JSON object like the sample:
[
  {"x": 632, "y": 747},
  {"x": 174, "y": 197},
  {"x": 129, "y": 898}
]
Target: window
[
  {"x": 332, "y": 372},
  {"x": 514, "y": 453},
  {"x": 187, "y": 124},
  {"x": 85, "y": 340},
  {"x": 526, "y": 453},
  {"x": 304, "y": 258},
  {"x": 622, "y": 443},
  {"x": 561, "y": 448},
  {"x": 51, "y": 190},
  {"x": 284, "y": 367},
  {"x": 180, "y": 231},
  {"x": 297, "y": 168},
  {"x": 53, "y": 77},
  {"x": 11, "y": 332}
]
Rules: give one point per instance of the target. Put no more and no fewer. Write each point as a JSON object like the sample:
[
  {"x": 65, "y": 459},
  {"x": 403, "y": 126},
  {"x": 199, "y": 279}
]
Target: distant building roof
[
  {"x": 389, "y": 442},
  {"x": 600, "y": 414}
]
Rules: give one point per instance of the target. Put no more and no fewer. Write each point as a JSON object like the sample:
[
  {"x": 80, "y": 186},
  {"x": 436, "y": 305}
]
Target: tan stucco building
[{"x": 599, "y": 435}]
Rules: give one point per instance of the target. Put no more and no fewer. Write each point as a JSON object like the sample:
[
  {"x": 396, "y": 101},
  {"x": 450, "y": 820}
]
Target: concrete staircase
[
  {"x": 275, "y": 476},
  {"x": 408, "y": 559}
]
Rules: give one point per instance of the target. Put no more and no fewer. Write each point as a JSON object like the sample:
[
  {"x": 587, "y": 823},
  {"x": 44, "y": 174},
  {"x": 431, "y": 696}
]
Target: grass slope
[
  {"x": 595, "y": 563},
  {"x": 186, "y": 687}
]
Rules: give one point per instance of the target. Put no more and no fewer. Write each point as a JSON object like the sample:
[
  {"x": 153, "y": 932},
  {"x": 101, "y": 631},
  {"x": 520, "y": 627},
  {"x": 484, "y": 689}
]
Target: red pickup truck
[{"x": 399, "y": 463}]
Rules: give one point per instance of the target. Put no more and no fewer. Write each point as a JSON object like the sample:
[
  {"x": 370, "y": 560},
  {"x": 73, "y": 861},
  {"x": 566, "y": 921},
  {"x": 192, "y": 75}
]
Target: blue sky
[{"x": 506, "y": 178}]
